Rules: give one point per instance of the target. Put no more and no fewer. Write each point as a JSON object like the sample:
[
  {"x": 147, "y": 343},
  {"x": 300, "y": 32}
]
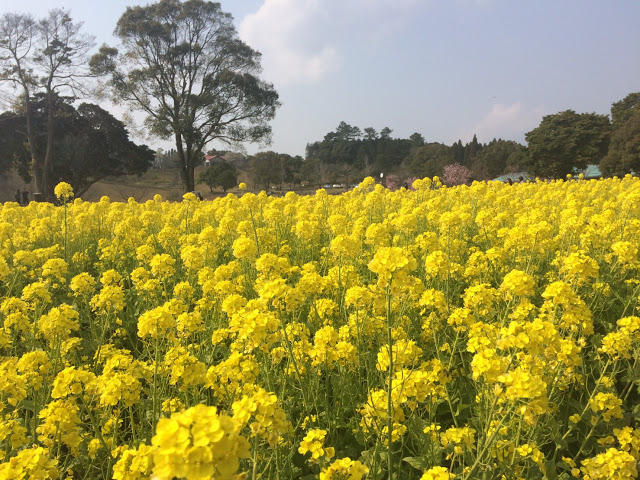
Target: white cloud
[
  {"x": 304, "y": 41},
  {"x": 507, "y": 122},
  {"x": 277, "y": 30}
]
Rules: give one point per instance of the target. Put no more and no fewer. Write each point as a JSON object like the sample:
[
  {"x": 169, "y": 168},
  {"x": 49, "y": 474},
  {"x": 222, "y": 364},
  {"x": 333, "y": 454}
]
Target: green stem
[
  {"x": 133, "y": 425},
  {"x": 586, "y": 407},
  {"x": 293, "y": 361},
  {"x": 65, "y": 231},
  {"x": 390, "y": 384},
  {"x": 584, "y": 442},
  {"x": 515, "y": 444},
  {"x": 255, "y": 231},
  {"x": 486, "y": 446},
  {"x": 155, "y": 385},
  {"x": 255, "y": 458},
  {"x": 446, "y": 388}
]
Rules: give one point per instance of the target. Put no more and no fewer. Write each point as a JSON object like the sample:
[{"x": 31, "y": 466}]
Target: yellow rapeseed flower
[{"x": 63, "y": 191}]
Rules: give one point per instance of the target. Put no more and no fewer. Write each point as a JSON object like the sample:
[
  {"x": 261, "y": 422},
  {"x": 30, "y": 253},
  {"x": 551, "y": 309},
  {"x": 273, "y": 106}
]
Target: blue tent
[{"x": 592, "y": 171}]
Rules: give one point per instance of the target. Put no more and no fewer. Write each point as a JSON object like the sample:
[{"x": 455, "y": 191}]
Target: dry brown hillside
[{"x": 166, "y": 182}]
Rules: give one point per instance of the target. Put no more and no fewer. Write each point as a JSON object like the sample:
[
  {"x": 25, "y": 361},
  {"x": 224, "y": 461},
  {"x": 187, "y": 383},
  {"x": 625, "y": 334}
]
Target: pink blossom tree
[
  {"x": 456, "y": 174},
  {"x": 392, "y": 181}
]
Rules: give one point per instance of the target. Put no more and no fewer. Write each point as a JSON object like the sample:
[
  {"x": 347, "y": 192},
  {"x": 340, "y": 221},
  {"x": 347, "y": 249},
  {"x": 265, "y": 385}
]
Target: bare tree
[
  {"x": 18, "y": 35},
  {"x": 48, "y": 56},
  {"x": 63, "y": 60}
]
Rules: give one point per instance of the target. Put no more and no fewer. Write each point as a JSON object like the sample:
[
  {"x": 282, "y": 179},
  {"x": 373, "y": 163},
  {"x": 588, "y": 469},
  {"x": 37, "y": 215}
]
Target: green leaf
[
  {"x": 551, "y": 474},
  {"x": 29, "y": 405},
  {"x": 416, "y": 462},
  {"x": 462, "y": 407}
]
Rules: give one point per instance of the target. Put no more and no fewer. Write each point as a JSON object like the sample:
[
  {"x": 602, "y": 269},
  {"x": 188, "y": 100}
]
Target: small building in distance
[{"x": 213, "y": 159}]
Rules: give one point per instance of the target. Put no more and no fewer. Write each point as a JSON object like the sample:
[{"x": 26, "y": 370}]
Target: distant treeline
[
  {"x": 564, "y": 143},
  {"x": 349, "y": 152}
]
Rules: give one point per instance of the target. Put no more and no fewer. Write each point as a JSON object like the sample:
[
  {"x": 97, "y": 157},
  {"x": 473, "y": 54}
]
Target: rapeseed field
[{"x": 475, "y": 332}]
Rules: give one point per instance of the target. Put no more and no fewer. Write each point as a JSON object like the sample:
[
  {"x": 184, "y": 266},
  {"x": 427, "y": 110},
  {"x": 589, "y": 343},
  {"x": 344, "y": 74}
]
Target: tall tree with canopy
[
  {"x": 183, "y": 65},
  {"x": 567, "y": 141},
  {"x": 624, "y": 151},
  {"x": 624, "y": 109}
]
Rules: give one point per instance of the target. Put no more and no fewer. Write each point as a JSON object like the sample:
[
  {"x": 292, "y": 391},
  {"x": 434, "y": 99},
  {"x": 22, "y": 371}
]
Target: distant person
[
  {"x": 18, "y": 197},
  {"x": 509, "y": 181},
  {"x": 521, "y": 179},
  {"x": 25, "y": 197}
]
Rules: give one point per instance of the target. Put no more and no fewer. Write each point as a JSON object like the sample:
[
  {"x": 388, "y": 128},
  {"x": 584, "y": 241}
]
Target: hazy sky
[{"x": 444, "y": 68}]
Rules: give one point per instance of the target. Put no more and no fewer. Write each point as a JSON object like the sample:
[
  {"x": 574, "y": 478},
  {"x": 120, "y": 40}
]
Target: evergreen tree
[
  {"x": 458, "y": 152},
  {"x": 470, "y": 151}
]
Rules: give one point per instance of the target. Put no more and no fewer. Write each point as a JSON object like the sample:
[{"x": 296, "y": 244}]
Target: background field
[{"x": 166, "y": 182}]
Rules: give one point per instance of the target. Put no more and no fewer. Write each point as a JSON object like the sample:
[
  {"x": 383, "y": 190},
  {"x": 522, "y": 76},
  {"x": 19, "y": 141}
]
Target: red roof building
[{"x": 211, "y": 159}]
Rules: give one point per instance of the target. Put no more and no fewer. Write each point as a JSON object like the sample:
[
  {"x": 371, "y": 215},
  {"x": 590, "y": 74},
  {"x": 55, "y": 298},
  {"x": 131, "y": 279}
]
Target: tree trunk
[
  {"x": 190, "y": 176},
  {"x": 78, "y": 191},
  {"x": 190, "y": 160},
  {"x": 184, "y": 174},
  {"x": 35, "y": 167},
  {"x": 47, "y": 167}
]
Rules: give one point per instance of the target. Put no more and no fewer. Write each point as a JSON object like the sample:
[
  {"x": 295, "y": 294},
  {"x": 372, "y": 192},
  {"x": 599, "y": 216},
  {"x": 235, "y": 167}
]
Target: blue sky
[{"x": 444, "y": 68}]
